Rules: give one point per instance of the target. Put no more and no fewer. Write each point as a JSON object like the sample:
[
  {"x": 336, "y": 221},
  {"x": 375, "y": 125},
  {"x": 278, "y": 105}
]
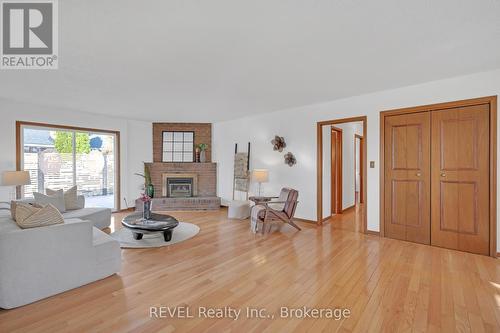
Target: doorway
[
  {"x": 336, "y": 181},
  {"x": 438, "y": 179}
]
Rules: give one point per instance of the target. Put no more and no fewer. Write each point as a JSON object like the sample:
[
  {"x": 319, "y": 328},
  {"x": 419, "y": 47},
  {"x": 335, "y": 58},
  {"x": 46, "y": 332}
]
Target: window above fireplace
[{"x": 178, "y": 146}]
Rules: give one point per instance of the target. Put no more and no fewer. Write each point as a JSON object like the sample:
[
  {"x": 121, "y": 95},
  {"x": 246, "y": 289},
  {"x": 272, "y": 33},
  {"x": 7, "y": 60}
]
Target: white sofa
[{"x": 40, "y": 262}]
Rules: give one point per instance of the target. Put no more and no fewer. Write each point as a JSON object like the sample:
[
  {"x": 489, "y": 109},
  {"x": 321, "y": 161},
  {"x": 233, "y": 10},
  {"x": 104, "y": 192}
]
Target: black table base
[{"x": 163, "y": 223}]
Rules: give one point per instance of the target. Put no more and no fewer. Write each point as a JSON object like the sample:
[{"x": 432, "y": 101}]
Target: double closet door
[{"x": 437, "y": 178}]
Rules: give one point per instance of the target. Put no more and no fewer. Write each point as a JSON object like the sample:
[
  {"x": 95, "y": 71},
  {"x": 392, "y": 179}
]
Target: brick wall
[
  {"x": 207, "y": 176},
  {"x": 202, "y": 134}
]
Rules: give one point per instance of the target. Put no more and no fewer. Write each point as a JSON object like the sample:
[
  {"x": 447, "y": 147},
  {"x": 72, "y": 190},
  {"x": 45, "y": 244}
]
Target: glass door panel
[
  {"x": 95, "y": 168},
  {"x": 48, "y": 156}
]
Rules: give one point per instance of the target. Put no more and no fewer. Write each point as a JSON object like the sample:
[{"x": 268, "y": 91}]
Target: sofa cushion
[
  {"x": 56, "y": 200},
  {"x": 70, "y": 197},
  {"x": 100, "y": 217},
  {"x": 33, "y": 216}
]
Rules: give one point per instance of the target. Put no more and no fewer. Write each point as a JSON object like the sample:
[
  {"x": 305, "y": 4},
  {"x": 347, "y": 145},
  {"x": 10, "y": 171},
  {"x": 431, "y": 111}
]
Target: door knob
[
  {"x": 418, "y": 174},
  {"x": 443, "y": 174}
]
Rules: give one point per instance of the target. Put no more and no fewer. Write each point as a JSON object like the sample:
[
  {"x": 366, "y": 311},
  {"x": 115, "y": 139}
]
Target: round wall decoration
[
  {"x": 290, "y": 159},
  {"x": 278, "y": 143}
]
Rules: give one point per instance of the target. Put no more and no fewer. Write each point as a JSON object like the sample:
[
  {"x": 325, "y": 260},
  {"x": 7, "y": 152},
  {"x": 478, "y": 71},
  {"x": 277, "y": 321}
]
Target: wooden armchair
[{"x": 282, "y": 210}]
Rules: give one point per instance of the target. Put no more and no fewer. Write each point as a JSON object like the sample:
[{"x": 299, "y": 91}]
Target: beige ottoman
[{"x": 238, "y": 210}]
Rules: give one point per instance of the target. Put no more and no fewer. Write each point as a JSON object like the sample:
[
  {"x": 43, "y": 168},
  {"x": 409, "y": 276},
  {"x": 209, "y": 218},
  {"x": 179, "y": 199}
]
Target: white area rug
[{"x": 182, "y": 232}]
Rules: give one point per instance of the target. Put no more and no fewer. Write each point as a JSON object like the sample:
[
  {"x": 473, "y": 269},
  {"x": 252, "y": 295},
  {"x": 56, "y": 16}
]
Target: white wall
[
  {"x": 139, "y": 145},
  {"x": 135, "y": 139},
  {"x": 298, "y": 126}
]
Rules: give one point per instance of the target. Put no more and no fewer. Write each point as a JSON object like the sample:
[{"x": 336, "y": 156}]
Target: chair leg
[{"x": 294, "y": 225}]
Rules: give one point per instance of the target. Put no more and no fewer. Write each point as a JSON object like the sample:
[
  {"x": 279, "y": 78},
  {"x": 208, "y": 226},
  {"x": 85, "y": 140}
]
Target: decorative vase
[
  {"x": 203, "y": 156},
  {"x": 197, "y": 156},
  {"x": 146, "y": 213},
  {"x": 150, "y": 191}
]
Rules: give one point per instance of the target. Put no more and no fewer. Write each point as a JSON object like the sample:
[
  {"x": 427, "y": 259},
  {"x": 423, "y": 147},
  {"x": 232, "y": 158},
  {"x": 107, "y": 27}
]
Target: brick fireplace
[{"x": 183, "y": 185}]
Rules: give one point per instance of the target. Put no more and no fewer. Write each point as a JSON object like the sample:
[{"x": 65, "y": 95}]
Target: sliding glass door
[{"x": 59, "y": 158}]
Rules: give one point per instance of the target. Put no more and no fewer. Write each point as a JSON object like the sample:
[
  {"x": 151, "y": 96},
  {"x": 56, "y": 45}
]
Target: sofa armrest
[{"x": 39, "y": 262}]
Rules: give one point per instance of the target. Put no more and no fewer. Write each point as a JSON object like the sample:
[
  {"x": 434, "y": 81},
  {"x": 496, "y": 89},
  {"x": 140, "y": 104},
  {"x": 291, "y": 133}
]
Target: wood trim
[
  {"x": 118, "y": 171},
  {"x": 19, "y": 124},
  {"x": 381, "y": 159},
  {"x": 361, "y": 174},
  {"x": 336, "y": 189},
  {"x": 319, "y": 174},
  {"x": 341, "y": 120},
  {"x": 492, "y": 101},
  {"x": 18, "y": 156},
  {"x": 364, "y": 195},
  {"x": 304, "y": 220},
  {"x": 319, "y": 165},
  {"x": 493, "y": 175},
  {"x": 75, "y": 128}
]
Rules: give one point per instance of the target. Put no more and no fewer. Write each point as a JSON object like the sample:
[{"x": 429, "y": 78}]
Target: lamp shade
[
  {"x": 260, "y": 175},
  {"x": 16, "y": 178}
]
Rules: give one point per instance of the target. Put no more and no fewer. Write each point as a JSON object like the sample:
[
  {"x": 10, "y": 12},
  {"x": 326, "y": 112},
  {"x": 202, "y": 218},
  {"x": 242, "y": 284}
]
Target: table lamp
[
  {"x": 15, "y": 178},
  {"x": 260, "y": 176}
]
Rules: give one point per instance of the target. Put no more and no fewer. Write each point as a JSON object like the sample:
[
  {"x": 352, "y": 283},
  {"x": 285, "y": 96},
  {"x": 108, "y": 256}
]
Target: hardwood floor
[
  {"x": 388, "y": 285},
  {"x": 351, "y": 220}
]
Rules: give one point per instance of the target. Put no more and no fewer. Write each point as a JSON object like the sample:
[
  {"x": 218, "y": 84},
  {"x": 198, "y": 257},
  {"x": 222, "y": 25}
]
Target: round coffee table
[{"x": 157, "y": 223}]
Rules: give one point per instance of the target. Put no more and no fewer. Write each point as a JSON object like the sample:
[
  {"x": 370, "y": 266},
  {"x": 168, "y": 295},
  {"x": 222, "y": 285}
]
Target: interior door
[
  {"x": 460, "y": 179},
  {"x": 336, "y": 171},
  {"x": 407, "y": 177}
]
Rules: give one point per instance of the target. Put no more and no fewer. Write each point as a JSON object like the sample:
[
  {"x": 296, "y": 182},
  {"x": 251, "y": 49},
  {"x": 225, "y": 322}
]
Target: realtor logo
[{"x": 29, "y": 34}]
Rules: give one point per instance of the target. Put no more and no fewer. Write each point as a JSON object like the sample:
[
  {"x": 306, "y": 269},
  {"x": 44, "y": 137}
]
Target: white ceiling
[{"x": 214, "y": 60}]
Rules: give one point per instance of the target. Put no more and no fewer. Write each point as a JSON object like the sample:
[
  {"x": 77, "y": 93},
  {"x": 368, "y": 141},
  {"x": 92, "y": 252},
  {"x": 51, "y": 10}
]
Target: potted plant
[
  {"x": 148, "y": 184},
  {"x": 202, "y": 147}
]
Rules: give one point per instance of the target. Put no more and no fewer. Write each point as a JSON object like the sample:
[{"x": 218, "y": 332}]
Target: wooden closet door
[
  {"x": 407, "y": 177},
  {"x": 460, "y": 179}
]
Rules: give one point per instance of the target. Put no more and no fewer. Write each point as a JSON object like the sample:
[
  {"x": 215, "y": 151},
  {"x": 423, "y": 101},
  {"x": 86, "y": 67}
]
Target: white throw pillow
[
  {"x": 70, "y": 197},
  {"x": 33, "y": 216},
  {"x": 54, "y": 200}
]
